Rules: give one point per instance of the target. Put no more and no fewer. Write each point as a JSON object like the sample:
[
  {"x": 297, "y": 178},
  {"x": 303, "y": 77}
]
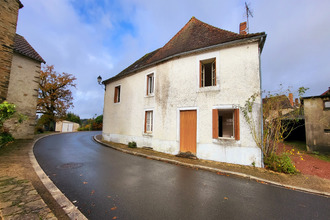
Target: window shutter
[
  {"x": 200, "y": 74},
  {"x": 115, "y": 96},
  {"x": 237, "y": 130},
  {"x": 215, "y": 123},
  {"x": 214, "y": 77}
]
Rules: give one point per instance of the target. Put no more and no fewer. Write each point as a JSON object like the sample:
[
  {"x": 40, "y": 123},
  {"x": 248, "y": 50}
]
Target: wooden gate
[{"x": 188, "y": 131}]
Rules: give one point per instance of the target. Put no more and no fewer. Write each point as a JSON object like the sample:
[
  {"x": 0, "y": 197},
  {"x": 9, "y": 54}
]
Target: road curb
[
  {"x": 215, "y": 170},
  {"x": 71, "y": 210}
]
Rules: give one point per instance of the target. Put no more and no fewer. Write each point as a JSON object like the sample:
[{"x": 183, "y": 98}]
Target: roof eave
[
  {"x": 261, "y": 39},
  {"x": 20, "y": 4},
  {"x": 313, "y": 97},
  {"x": 39, "y": 60}
]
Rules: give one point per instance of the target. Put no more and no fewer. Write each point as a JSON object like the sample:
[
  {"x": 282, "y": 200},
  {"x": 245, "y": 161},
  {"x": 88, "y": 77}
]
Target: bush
[
  {"x": 85, "y": 128},
  {"x": 280, "y": 163},
  {"x": 5, "y": 137},
  {"x": 38, "y": 130},
  {"x": 132, "y": 144}
]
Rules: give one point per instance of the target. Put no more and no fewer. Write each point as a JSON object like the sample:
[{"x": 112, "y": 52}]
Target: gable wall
[
  {"x": 177, "y": 87},
  {"x": 23, "y": 92}
]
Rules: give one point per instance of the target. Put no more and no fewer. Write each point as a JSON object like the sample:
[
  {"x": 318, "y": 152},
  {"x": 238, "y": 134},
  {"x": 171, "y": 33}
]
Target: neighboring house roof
[
  {"x": 325, "y": 94},
  {"x": 67, "y": 121},
  {"x": 21, "y": 46},
  {"x": 282, "y": 101},
  {"x": 194, "y": 36}
]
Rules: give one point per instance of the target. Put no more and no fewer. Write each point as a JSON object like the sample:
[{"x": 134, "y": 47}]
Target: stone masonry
[
  {"x": 19, "y": 200},
  {"x": 8, "y": 21}
]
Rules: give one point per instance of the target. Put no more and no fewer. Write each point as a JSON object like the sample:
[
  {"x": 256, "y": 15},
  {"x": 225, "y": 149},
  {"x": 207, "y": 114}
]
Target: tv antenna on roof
[{"x": 248, "y": 13}]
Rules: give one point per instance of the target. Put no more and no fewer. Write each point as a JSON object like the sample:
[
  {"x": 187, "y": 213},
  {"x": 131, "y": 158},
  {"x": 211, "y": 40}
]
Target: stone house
[
  {"x": 23, "y": 87},
  {"x": 20, "y": 68},
  {"x": 317, "y": 122},
  {"x": 187, "y": 96}
]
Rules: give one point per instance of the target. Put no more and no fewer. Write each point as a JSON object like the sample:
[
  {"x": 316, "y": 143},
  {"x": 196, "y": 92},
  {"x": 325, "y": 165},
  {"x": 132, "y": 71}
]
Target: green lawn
[{"x": 301, "y": 146}]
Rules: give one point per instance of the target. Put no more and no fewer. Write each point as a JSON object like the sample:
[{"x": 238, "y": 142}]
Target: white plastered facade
[{"x": 176, "y": 89}]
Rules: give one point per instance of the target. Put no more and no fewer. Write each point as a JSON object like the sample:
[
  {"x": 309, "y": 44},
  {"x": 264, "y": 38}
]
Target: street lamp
[{"x": 99, "y": 80}]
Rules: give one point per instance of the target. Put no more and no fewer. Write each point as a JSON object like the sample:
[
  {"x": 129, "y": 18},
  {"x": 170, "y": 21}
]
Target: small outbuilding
[
  {"x": 66, "y": 126},
  {"x": 317, "y": 122}
]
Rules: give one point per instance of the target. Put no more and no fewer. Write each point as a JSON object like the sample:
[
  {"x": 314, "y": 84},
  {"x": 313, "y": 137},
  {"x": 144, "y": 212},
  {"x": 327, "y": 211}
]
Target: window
[
  {"x": 117, "y": 94},
  {"x": 226, "y": 123},
  {"x": 150, "y": 84},
  {"x": 148, "y": 122},
  {"x": 326, "y": 104},
  {"x": 207, "y": 73}
]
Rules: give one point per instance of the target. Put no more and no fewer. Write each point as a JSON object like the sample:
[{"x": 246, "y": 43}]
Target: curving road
[{"x": 107, "y": 184}]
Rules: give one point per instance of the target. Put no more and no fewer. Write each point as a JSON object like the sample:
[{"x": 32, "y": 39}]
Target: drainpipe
[{"x": 261, "y": 109}]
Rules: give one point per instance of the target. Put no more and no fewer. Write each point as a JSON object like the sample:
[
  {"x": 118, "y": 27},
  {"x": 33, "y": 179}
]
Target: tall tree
[
  {"x": 55, "y": 96},
  {"x": 73, "y": 117}
]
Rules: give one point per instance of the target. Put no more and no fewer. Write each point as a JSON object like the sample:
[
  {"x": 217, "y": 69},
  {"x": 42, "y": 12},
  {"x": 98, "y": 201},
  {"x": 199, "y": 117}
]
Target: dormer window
[{"x": 207, "y": 73}]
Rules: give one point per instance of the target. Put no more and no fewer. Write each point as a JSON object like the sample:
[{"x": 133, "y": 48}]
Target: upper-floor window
[
  {"x": 207, "y": 73},
  {"x": 326, "y": 104},
  {"x": 150, "y": 84},
  {"x": 117, "y": 94}
]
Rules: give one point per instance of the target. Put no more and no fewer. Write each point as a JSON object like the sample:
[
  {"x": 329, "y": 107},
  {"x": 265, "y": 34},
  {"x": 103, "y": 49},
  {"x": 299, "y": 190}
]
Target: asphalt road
[{"x": 107, "y": 184}]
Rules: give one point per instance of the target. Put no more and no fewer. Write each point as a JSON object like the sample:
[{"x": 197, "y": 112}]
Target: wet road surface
[{"x": 107, "y": 184}]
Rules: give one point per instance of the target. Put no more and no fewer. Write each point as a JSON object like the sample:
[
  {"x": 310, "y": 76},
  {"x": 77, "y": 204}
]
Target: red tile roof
[
  {"x": 195, "y": 35},
  {"x": 326, "y": 92},
  {"x": 21, "y": 46}
]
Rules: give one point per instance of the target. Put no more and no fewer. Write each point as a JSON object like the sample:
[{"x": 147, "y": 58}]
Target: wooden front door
[{"x": 188, "y": 131}]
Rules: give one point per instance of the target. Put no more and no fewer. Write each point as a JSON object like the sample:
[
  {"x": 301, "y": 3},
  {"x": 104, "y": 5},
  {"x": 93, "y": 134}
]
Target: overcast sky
[{"x": 88, "y": 38}]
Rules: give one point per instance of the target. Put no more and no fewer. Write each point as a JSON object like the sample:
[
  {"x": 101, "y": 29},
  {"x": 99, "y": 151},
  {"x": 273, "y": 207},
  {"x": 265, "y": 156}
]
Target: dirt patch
[
  {"x": 306, "y": 163},
  {"x": 302, "y": 180},
  {"x": 15, "y": 163}
]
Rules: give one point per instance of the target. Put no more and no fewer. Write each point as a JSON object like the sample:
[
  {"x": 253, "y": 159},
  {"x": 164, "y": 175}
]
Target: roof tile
[
  {"x": 193, "y": 36},
  {"x": 21, "y": 46}
]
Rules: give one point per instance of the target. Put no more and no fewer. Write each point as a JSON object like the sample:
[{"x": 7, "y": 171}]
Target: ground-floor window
[
  {"x": 226, "y": 123},
  {"x": 148, "y": 122}
]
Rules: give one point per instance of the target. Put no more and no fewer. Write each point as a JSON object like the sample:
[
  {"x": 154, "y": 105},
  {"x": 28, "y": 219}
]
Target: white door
[
  {"x": 67, "y": 127},
  {"x": 70, "y": 127}
]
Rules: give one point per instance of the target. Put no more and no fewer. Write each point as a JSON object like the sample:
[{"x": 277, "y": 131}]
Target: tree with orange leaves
[{"x": 54, "y": 96}]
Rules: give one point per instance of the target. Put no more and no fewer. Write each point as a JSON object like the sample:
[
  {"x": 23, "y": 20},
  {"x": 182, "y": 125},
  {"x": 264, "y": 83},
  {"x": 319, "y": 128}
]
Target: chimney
[
  {"x": 291, "y": 99},
  {"x": 242, "y": 28}
]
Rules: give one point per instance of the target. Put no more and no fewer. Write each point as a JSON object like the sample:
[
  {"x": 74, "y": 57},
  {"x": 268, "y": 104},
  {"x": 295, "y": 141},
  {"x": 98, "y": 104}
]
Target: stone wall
[
  {"x": 23, "y": 92},
  {"x": 8, "y": 21}
]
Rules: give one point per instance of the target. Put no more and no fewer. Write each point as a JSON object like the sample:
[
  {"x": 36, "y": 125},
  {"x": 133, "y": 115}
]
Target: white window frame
[
  {"x": 213, "y": 62},
  {"x": 208, "y": 56},
  {"x": 229, "y": 107},
  {"x": 147, "y": 92},
  {"x": 145, "y": 122}
]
